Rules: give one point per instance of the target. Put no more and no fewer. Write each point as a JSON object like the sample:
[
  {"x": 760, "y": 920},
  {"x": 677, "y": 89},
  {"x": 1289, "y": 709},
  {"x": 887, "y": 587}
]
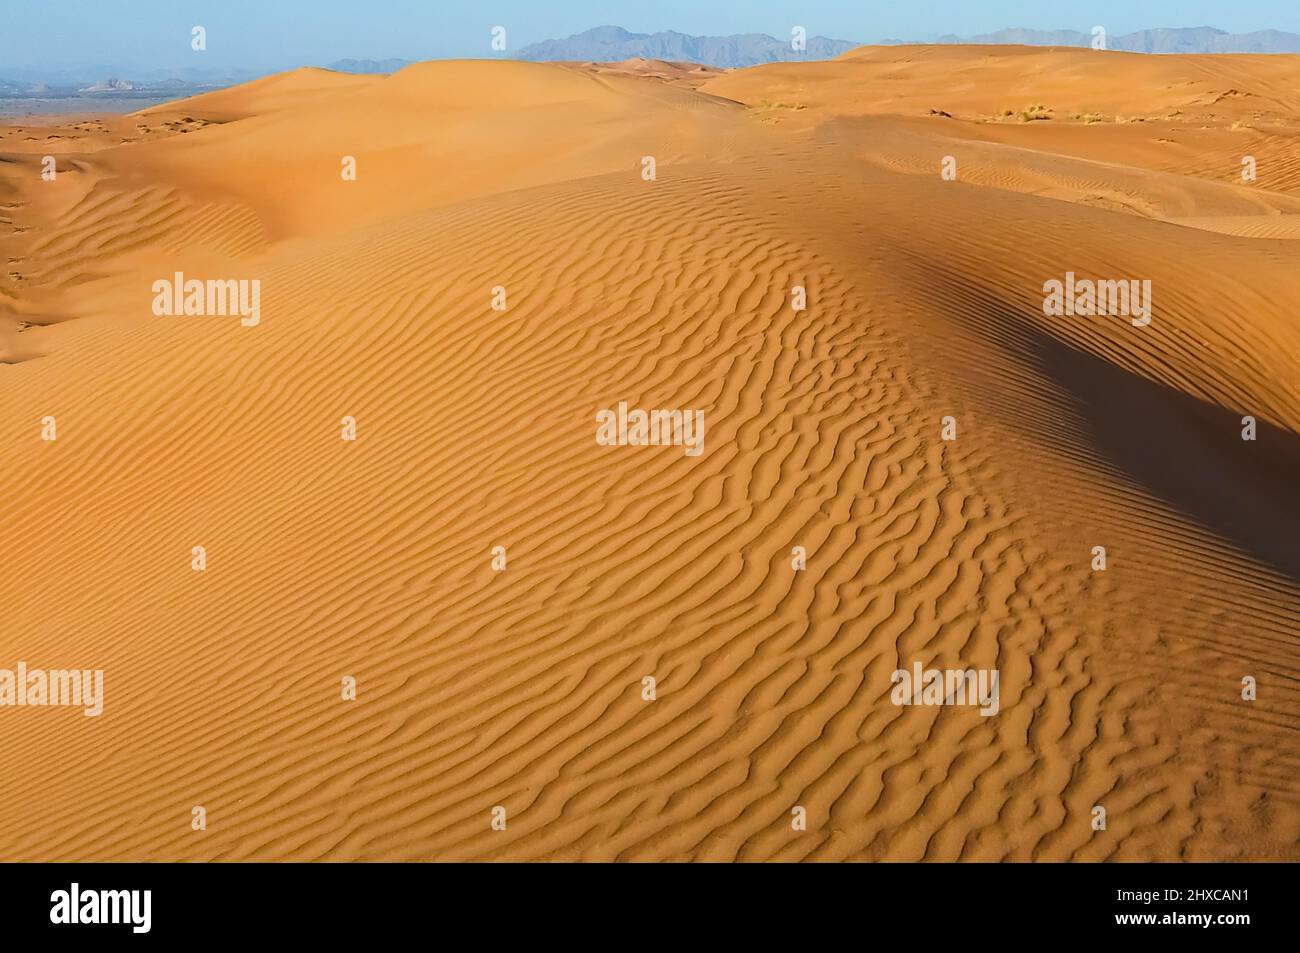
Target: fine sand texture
[{"x": 523, "y": 688}]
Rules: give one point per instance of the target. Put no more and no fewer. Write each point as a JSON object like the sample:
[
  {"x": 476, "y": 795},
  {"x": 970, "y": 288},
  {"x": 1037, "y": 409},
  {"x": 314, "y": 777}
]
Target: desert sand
[{"x": 522, "y": 688}]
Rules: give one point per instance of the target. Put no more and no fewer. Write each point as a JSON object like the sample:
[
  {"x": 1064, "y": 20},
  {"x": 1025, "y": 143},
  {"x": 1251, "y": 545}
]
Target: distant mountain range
[
  {"x": 611, "y": 43},
  {"x": 116, "y": 89},
  {"x": 607, "y": 44},
  {"x": 139, "y": 76},
  {"x": 1198, "y": 39},
  {"x": 26, "y": 90}
]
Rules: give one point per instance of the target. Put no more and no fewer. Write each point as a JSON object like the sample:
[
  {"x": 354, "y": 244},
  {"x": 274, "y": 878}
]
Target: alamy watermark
[
  {"x": 1127, "y": 298},
  {"x": 215, "y": 296},
  {"x": 947, "y": 686},
  {"x": 130, "y": 907},
  {"x": 651, "y": 428},
  {"x": 73, "y": 688}
]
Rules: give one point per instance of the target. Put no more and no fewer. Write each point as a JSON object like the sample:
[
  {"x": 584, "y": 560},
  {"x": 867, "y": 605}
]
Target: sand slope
[{"x": 476, "y": 427}]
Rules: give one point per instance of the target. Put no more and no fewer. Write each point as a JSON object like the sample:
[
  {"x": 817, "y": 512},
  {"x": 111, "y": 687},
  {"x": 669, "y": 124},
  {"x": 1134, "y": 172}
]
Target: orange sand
[{"x": 523, "y": 688}]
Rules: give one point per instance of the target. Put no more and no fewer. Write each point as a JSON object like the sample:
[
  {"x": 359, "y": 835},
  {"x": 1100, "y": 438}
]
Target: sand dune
[
  {"x": 523, "y": 688},
  {"x": 987, "y": 80}
]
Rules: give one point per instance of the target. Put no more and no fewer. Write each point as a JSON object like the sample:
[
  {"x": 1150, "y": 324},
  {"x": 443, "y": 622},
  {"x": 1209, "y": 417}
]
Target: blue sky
[{"x": 277, "y": 34}]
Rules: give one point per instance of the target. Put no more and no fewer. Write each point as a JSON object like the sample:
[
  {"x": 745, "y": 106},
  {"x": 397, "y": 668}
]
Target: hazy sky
[{"x": 276, "y": 34}]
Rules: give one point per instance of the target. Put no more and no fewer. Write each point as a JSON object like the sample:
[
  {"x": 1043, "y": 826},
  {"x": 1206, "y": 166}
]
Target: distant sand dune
[{"x": 476, "y": 429}]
